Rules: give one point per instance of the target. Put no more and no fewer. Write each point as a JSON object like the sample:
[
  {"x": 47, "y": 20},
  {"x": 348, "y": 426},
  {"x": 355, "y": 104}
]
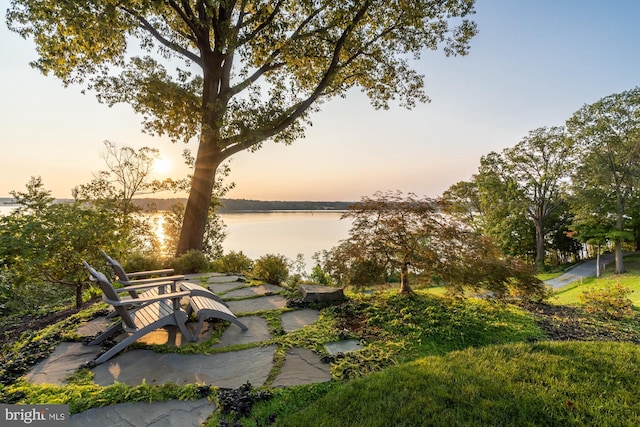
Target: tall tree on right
[
  {"x": 541, "y": 165},
  {"x": 607, "y": 133},
  {"x": 517, "y": 196}
]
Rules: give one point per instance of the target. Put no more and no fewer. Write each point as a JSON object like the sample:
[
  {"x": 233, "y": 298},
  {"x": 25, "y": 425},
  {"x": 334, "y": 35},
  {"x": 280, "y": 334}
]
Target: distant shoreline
[{"x": 230, "y": 205}]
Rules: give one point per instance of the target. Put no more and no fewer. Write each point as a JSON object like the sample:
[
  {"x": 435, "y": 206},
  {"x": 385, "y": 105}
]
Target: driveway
[{"x": 577, "y": 272}]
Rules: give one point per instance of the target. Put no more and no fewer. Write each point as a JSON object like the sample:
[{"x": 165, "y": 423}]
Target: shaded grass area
[{"x": 571, "y": 383}]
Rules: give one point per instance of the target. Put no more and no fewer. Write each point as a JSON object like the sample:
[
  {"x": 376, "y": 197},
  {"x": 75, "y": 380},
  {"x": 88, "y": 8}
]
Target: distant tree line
[{"x": 244, "y": 205}]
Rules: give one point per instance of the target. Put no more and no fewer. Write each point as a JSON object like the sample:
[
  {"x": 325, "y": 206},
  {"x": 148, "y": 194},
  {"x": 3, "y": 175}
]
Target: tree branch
[
  {"x": 240, "y": 142},
  {"x": 146, "y": 25}
]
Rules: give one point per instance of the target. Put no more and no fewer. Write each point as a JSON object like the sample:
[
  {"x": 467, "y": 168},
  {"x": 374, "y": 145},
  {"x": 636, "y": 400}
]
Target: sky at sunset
[{"x": 533, "y": 64}]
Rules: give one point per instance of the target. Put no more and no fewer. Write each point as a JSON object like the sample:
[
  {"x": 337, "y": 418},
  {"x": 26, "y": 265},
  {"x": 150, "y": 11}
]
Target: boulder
[{"x": 321, "y": 294}]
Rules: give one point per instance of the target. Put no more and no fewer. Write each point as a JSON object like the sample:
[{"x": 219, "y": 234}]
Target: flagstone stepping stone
[
  {"x": 226, "y": 279},
  {"x": 302, "y": 366},
  {"x": 251, "y": 291},
  {"x": 222, "y": 288},
  {"x": 64, "y": 361},
  {"x": 271, "y": 302},
  {"x": 257, "y": 331},
  {"x": 321, "y": 294},
  {"x": 197, "y": 276},
  {"x": 294, "y": 320},
  {"x": 168, "y": 335},
  {"x": 230, "y": 370},
  {"x": 344, "y": 346},
  {"x": 94, "y": 327},
  {"x": 155, "y": 414}
]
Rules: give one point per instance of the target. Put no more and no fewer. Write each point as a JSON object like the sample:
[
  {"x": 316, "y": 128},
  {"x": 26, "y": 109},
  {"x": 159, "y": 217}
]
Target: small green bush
[
  {"x": 193, "y": 261},
  {"x": 233, "y": 262},
  {"x": 321, "y": 277},
  {"x": 140, "y": 262},
  {"x": 272, "y": 269},
  {"x": 611, "y": 302}
]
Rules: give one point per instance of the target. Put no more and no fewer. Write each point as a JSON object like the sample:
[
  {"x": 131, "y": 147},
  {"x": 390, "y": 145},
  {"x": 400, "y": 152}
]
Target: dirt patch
[
  {"x": 564, "y": 323},
  {"x": 13, "y": 328}
]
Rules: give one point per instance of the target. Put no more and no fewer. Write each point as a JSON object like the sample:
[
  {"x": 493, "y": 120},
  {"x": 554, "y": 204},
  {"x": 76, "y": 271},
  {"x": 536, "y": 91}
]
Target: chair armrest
[
  {"x": 143, "y": 286},
  {"x": 152, "y": 273},
  {"x": 156, "y": 279},
  {"x": 139, "y": 301}
]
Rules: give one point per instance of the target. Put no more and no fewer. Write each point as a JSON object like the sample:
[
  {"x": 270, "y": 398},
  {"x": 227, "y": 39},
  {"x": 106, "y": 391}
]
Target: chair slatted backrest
[
  {"x": 110, "y": 294},
  {"x": 117, "y": 268}
]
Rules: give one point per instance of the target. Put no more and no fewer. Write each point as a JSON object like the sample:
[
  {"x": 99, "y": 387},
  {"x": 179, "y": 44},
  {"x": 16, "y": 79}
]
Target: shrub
[
  {"x": 272, "y": 269},
  {"x": 233, "y": 262},
  {"x": 610, "y": 302},
  {"x": 141, "y": 262},
  {"x": 319, "y": 276},
  {"x": 193, "y": 261}
]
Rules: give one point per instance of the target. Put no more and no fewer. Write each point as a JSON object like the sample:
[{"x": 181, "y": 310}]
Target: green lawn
[{"x": 458, "y": 362}]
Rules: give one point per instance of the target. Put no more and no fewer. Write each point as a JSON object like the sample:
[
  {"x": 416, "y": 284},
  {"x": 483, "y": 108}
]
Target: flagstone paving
[
  {"x": 271, "y": 302},
  {"x": 251, "y": 291},
  {"x": 229, "y": 369},
  {"x": 155, "y": 414},
  {"x": 301, "y": 367},
  {"x": 222, "y": 288},
  {"x": 61, "y": 363},
  {"x": 344, "y": 346},
  {"x": 294, "y": 320},
  {"x": 257, "y": 331}
]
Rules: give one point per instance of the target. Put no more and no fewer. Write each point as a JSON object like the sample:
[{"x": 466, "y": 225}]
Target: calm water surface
[{"x": 287, "y": 233}]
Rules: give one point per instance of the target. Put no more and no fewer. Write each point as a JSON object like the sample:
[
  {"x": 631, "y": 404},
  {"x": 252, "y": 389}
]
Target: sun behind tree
[{"x": 162, "y": 166}]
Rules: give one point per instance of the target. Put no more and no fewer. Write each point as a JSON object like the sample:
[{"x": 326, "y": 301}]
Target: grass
[
  {"x": 549, "y": 276},
  {"x": 509, "y": 385}
]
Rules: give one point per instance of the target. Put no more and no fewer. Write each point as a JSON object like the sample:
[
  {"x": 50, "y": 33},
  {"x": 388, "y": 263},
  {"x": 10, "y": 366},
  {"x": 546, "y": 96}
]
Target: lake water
[
  {"x": 279, "y": 232},
  {"x": 286, "y": 233}
]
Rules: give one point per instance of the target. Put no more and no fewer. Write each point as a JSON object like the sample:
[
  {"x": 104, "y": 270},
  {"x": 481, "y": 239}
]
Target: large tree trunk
[
  {"x": 196, "y": 213},
  {"x": 539, "y": 245},
  {"x": 210, "y": 153},
  {"x": 404, "y": 279},
  {"x": 619, "y": 261}
]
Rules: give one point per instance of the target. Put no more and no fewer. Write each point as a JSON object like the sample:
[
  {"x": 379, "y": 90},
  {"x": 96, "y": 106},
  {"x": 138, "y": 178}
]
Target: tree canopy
[
  {"x": 518, "y": 196},
  {"x": 607, "y": 181},
  {"x": 247, "y": 72}
]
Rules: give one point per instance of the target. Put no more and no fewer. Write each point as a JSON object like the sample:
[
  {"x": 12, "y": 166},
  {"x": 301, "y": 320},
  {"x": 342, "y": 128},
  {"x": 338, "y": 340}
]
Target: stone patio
[{"x": 226, "y": 369}]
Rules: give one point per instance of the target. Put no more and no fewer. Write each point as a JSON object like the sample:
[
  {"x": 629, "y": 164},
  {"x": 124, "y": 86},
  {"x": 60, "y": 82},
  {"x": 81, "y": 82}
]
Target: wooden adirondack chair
[
  {"x": 153, "y": 312},
  {"x": 165, "y": 276}
]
